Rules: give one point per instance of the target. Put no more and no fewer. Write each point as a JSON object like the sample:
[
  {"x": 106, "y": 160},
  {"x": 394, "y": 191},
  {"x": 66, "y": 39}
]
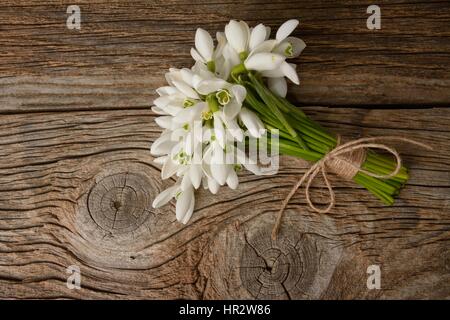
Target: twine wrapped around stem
[{"x": 345, "y": 161}]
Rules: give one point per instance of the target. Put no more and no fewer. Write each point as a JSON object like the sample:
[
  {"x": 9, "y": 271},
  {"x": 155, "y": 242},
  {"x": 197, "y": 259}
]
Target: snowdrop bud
[
  {"x": 204, "y": 44},
  {"x": 286, "y": 29},
  {"x": 237, "y": 34},
  {"x": 165, "y": 196},
  {"x": 263, "y": 61}
]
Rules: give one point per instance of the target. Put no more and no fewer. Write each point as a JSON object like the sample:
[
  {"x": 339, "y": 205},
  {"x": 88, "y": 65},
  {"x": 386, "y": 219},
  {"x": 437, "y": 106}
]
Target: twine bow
[{"x": 345, "y": 160}]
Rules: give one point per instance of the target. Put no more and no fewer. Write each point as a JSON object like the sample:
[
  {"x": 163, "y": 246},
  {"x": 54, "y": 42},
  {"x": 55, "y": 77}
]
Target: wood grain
[
  {"x": 76, "y": 188},
  {"x": 77, "y": 178},
  {"x": 406, "y": 62}
]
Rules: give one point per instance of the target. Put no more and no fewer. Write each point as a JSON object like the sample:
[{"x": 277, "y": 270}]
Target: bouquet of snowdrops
[{"x": 235, "y": 93}]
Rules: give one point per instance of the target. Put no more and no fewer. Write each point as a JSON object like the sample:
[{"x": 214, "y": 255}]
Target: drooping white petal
[
  {"x": 290, "y": 72},
  {"x": 278, "y": 86},
  {"x": 231, "y": 55},
  {"x": 185, "y": 182},
  {"x": 159, "y": 111},
  {"x": 239, "y": 92},
  {"x": 196, "y": 55},
  {"x": 266, "y": 46},
  {"x": 164, "y": 121},
  {"x": 169, "y": 169},
  {"x": 161, "y": 102},
  {"x": 257, "y": 36},
  {"x": 195, "y": 174},
  {"x": 160, "y": 160},
  {"x": 213, "y": 186},
  {"x": 263, "y": 61},
  {"x": 246, "y": 29},
  {"x": 219, "y": 130},
  {"x": 232, "y": 179},
  {"x": 189, "y": 143},
  {"x": 267, "y": 33},
  {"x": 178, "y": 134},
  {"x": 221, "y": 42},
  {"x": 186, "y": 89},
  {"x": 210, "y": 85},
  {"x": 187, "y": 76},
  {"x": 162, "y": 145},
  {"x": 231, "y": 109},
  {"x": 173, "y": 109},
  {"x": 275, "y": 73},
  {"x": 252, "y": 122},
  {"x": 204, "y": 44},
  {"x": 234, "y": 129},
  {"x": 219, "y": 170},
  {"x": 173, "y": 75},
  {"x": 237, "y": 35},
  {"x": 185, "y": 205},
  {"x": 165, "y": 196},
  {"x": 223, "y": 68},
  {"x": 187, "y": 115},
  {"x": 197, "y": 131},
  {"x": 201, "y": 72},
  {"x": 165, "y": 91},
  {"x": 286, "y": 29}
]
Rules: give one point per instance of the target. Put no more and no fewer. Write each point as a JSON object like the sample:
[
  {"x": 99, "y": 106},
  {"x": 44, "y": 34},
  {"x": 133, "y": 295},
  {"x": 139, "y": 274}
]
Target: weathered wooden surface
[
  {"x": 406, "y": 62},
  {"x": 61, "y": 172},
  {"x": 77, "y": 179}
]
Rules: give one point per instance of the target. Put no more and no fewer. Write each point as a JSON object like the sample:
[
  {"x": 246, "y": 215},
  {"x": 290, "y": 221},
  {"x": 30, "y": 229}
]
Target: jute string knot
[{"x": 345, "y": 161}]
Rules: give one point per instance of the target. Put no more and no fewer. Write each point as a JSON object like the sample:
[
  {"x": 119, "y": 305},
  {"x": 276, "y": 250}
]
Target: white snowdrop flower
[
  {"x": 204, "y": 50},
  {"x": 291, "y": 47},
  {"x": 238, "y": 35},
  {"x": 203, "y": 111}
]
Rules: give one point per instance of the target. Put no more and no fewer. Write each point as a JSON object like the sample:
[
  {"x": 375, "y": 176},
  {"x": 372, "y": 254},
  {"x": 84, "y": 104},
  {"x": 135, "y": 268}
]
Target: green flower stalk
[{"x": 301, "y": 137}]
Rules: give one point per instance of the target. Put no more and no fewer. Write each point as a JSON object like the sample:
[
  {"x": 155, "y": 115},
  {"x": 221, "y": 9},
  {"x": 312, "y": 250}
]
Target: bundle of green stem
[{"x": 301, "y": 137}]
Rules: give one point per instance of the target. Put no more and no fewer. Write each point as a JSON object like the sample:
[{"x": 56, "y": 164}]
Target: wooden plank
[
  {"x": 76, "y": 188},
  {"x": 405, "y": 62}
]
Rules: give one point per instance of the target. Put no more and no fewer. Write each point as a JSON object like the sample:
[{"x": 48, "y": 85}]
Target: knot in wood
[
  {"x": 119, "y": 203},
  {"x": 283, "y": 268}
]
